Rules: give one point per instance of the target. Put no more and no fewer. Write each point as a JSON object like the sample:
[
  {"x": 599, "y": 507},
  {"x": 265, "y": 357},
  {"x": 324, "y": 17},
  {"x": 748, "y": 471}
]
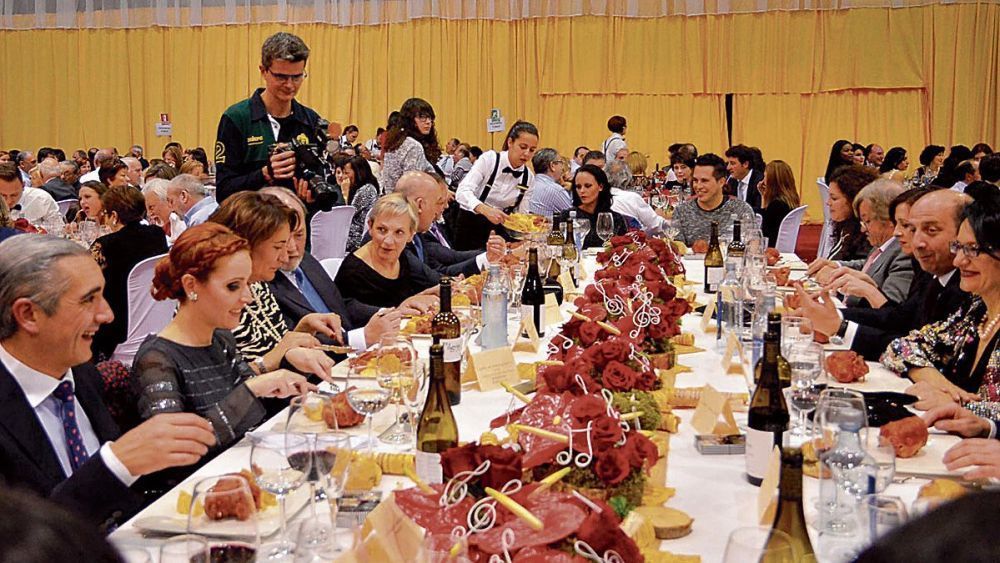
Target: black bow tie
[
  {"x": 17, "y": 207},
  {"x": 514, "y": 173}
]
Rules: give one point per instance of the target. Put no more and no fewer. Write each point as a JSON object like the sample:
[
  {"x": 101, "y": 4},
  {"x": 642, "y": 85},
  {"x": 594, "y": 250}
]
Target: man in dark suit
[
  {"x": 303, "y": 287},
  {"x": 430, "y": 196},
  {"x": 934, "y": 293},
  {"x": 57, "y": 438},
  {"x": 59, "y": 178},
  {"x": 743, "y": 177}
]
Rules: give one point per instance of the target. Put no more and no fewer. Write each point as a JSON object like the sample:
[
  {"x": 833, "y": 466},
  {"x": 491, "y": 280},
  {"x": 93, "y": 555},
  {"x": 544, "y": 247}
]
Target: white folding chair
[
  {"x": 824, "y": 234},
  {"x": 65, "y": 204},
  {"x": 145, "y": 315},
  {"x": 332, "y": 266},
  {"x": 788, "y": 231},
  {"x": 328, "y": 238}
]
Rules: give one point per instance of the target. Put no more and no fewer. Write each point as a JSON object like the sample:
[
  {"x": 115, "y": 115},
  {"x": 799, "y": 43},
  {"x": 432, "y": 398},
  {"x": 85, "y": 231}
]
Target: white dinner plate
[
  {"x": 164, "y": 518},
  {"x": 927, "y": 462}
]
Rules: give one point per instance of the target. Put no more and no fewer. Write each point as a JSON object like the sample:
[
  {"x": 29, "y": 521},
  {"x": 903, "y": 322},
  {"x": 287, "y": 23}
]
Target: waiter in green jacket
[{"x": 248, "y": 130}]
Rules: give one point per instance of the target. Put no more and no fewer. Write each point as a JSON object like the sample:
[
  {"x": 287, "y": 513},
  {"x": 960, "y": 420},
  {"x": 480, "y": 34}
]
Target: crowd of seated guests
[{"x": 914, "y": 260}]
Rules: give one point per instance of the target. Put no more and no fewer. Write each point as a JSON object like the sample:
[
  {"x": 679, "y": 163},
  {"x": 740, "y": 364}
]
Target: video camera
[{"x": 311, "y": 162}]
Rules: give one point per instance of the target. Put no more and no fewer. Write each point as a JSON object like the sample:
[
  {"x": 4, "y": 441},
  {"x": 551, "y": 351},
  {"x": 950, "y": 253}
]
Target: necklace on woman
[{"x": 986, "y": 326}]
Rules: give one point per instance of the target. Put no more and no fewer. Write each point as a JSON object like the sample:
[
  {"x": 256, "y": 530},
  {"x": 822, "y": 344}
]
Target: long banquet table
[{"x": 711, "y": 489}]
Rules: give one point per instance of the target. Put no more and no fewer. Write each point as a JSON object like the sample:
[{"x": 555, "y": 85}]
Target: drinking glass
[
  {"x": 187, "y": 548},
  {"x": 758, "y": 543},
  {"x": 806, "y": 362},
  {"x": 794, "y": 330},
  {"x": 581, "y": 227},
  {"x": 88, "y": 232},
  {"x": 368, "y": 401},
  {"x": 832, "y": 407},
  {"x": 225, "y": 503},
  {"x": 414, "y": 399},
  {"x": 282, "y": 462},
  {"x": 320, "y": 542},
  {"x": 605, "y": 226},
  {"x": 884, "y": 455},
  {"x": 879, "y": 515},
  {"x": 396, "y": 363},
  {"x": 517, "y": 271}
]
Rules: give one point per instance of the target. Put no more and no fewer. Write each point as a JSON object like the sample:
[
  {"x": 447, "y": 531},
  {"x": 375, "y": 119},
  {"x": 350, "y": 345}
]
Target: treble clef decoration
[
  {"x": 581, "y": 459},
  {"x": 645, "y": 314},
  {"x": 457, "y": 487},
  {"x": 483, "y": 514},
  {"x": 583, "y": 549},
  {"x": 506, "y": 542}
]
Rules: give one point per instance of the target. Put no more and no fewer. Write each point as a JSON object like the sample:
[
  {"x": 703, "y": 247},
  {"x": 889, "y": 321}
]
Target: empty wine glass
[
  {"x": 88, "y": 232},
  {"x": 368, "y": 401},
  {"x": 581, "y": 227},
  {"x": 806, "y": 363},
  {"x": 186, "y": 548},
  {"x": 518, "y": 270},
  {"x": 320, "y": 541},
  {"x": 605, "y": 226},
  {"x": 282, "y": 462},
  {"x": 414, "y": 399},
  {"x": 794, "y": 330},
  {"x": 225, "y": 504},
  {"x": 758, "y": 543},
  {"x": 396, "y": 362},
  {"x": 309, "y": 413}
]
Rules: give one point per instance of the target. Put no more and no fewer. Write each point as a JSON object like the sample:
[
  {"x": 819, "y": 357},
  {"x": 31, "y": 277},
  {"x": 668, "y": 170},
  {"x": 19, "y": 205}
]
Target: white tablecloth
[{"x": 712, "y": 489}]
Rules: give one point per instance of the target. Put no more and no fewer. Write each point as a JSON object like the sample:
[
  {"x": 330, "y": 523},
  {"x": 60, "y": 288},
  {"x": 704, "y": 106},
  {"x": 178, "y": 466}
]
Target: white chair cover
[
  {"x": 65, "y": 204},
  {"x": 145, "y": 315},
  {"x": 824, "y": 234},
  {"x": 788, "y": 231},
  {"x": 332, "y": 266},
  {"x": 329, "y": 230}
]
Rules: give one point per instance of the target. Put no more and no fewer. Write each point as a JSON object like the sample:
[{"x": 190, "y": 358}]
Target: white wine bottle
[
  {"x": 767, "y": 418},
  {"x": 789, "y": 517},
  {"x": 436, "y": 428},
  {"x": 714, "y": 266},
  {"x": 447, "y": 331}
]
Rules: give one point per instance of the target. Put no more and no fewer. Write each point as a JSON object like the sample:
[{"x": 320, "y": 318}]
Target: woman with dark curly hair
[
  {"x": 410, "y": 144},
  {"x": 895, "y": 164}
]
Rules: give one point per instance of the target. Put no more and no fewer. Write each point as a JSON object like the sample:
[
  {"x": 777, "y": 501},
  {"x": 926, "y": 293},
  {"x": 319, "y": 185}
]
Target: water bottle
[
  {"x": 729, "y": 308},
  {"x": 494, "y": 301},
  {"x": 763, "y": 293},
  {"x": 854, "y": 470}
]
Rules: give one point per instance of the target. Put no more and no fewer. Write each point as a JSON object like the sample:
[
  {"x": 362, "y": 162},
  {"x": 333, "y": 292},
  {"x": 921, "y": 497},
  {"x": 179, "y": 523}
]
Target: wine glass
[
  {"x": 307, "y": 413},
  {"x": 518, "y": 270},
  {"x": 320, "y": 541},
  {"x": 605, "y": 226},
  {"x": 331, "y": 454},
  {"x": 758, "y": 543},
  {"x": 794, "y": 330},
  {"x": 806, "y": 363},
  {"x": 414, "y": 398},
  {"x": 368, "y": 401},
  {"x": 581, "y": 227},
  {"x": 186, "y": 548},
  {"x": 225, "y": 503},
  {"x": 833, "y": 407},
  {"x": 88, "y": 232},
  {"x": 396, "y": 361},
  {"x": 282, "y": 462}
]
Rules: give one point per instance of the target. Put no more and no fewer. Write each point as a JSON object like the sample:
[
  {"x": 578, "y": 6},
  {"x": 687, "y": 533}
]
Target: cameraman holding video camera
[{"x": 270, "y": 139}]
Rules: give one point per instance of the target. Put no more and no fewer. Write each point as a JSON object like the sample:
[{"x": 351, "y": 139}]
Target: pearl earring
[{"x": 193, "y": 296}]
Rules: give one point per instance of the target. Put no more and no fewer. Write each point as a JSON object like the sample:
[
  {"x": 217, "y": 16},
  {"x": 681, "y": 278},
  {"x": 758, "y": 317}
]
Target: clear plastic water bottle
[
  {"x": 494, "y": 301},
  {"x": 854, "y": 470},
  {"x": 763, "y": 292},
  {"x": 729, "y": 308}
]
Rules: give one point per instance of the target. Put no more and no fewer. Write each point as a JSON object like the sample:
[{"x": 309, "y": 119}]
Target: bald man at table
[{"x": 57, "y": 437}]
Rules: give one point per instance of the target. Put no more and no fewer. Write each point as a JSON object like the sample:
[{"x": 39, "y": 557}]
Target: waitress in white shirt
[{"x": 498, "y": 184}]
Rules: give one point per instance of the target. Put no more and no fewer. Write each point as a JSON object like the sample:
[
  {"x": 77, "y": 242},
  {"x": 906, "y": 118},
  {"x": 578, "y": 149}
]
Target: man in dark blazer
[
  {"x": 57, "y": 438},
  {"x": 303, "y": 287},
  {"x": 429, "y": 194},
  {"x": 934, "y": 293},
  {"x": 743, "y": 177},
  {"x": 59, "y": 179}
]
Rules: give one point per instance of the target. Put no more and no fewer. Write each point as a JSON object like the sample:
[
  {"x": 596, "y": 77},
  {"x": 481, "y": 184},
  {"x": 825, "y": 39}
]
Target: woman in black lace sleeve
[{"x": 193, "y": 365}]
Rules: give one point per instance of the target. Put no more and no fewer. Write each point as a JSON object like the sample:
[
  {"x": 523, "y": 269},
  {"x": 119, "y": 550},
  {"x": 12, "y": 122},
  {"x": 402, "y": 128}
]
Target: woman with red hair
[{"x": 193, "y": 365}]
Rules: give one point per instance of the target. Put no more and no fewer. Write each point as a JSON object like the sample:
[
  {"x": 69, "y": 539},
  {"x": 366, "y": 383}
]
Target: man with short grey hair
[
  {"x": 188, "y": 197},
  {"x": 133, "y": 171},
  {"x": 628, "y": 203},
  {"x": 54, "y": 176},
  {"x": 57, "y": 437},
  {"x": 102, "y": 158},
  {"x": 548, "y": 196}
]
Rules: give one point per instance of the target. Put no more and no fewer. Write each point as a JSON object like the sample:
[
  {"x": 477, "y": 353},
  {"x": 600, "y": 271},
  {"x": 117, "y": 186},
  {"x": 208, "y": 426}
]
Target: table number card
[
  {"x": 490, "y": 368},
  {"x": 733, "y": 348},
  {"x": 767, "y": 496},
  {"x": 566, "y": 281},
  {"x": 527, "y": 336},
  {"x": 711, "y": 406},
  {"x": 553, "y": 315},
  {"x": 706, "y": 317}
]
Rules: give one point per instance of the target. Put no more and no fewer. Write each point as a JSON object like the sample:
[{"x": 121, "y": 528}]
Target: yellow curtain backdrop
[{"x": 800, "y": 79}]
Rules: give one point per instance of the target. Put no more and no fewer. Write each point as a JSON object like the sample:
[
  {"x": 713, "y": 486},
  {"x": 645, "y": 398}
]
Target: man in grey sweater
[{"x": 694, "y": 218}]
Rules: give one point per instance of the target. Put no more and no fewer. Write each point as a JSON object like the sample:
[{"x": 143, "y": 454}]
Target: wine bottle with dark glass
[
  {"x": 447, "y": 331},
  {"x": 784, "y": 368},
  {"x": 714, "y": 264},
  {"x": 790, "y": 517},
  {"x": 737, "y": 248},
  {"x": 767, "y": 418},
  {"x": 533, "y": 294},
  {"x": 436, "y": 428}
]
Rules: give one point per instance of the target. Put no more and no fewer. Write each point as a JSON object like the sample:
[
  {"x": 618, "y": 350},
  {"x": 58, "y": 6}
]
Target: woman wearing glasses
[
  {"x": 410, "y": 144},
  {"x": 957, "y": 360}
]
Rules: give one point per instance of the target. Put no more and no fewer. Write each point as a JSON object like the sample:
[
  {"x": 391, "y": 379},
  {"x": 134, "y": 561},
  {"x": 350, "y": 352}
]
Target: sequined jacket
[{"x": 941, "y": 345}]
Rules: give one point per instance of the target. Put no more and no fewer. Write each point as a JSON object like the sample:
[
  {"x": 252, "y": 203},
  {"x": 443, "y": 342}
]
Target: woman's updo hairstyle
[
  {"x": 983, "y": 215},
  {"x": 195, "y": 252}
]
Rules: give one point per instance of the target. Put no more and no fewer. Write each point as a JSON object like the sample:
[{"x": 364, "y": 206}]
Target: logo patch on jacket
[{"x": 255, "y": 140}]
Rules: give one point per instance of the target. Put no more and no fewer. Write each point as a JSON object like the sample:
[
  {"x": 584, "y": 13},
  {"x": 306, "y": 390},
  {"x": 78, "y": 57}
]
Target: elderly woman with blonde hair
[{"x": 379, "y": 272}]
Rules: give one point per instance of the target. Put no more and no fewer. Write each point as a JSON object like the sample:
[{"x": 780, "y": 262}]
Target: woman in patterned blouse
[
  {"x": 410, "y": 144},
  {"x": 957, "y": 360},
  {"x": 361, "y": 189},
  {"x": 262, "y": 336},
  {"x": 193, "y": 364}
]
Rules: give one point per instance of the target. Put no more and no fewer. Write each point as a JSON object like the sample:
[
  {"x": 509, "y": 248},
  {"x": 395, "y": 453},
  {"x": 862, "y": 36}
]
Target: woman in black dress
[
  {"x": 129, "y": 243},
  {"x": 591, "y": 197},
  {"x": 778, "y": 196},
  {"x": 193, "y": 365},
  {"x": 380, "y": 273}
]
